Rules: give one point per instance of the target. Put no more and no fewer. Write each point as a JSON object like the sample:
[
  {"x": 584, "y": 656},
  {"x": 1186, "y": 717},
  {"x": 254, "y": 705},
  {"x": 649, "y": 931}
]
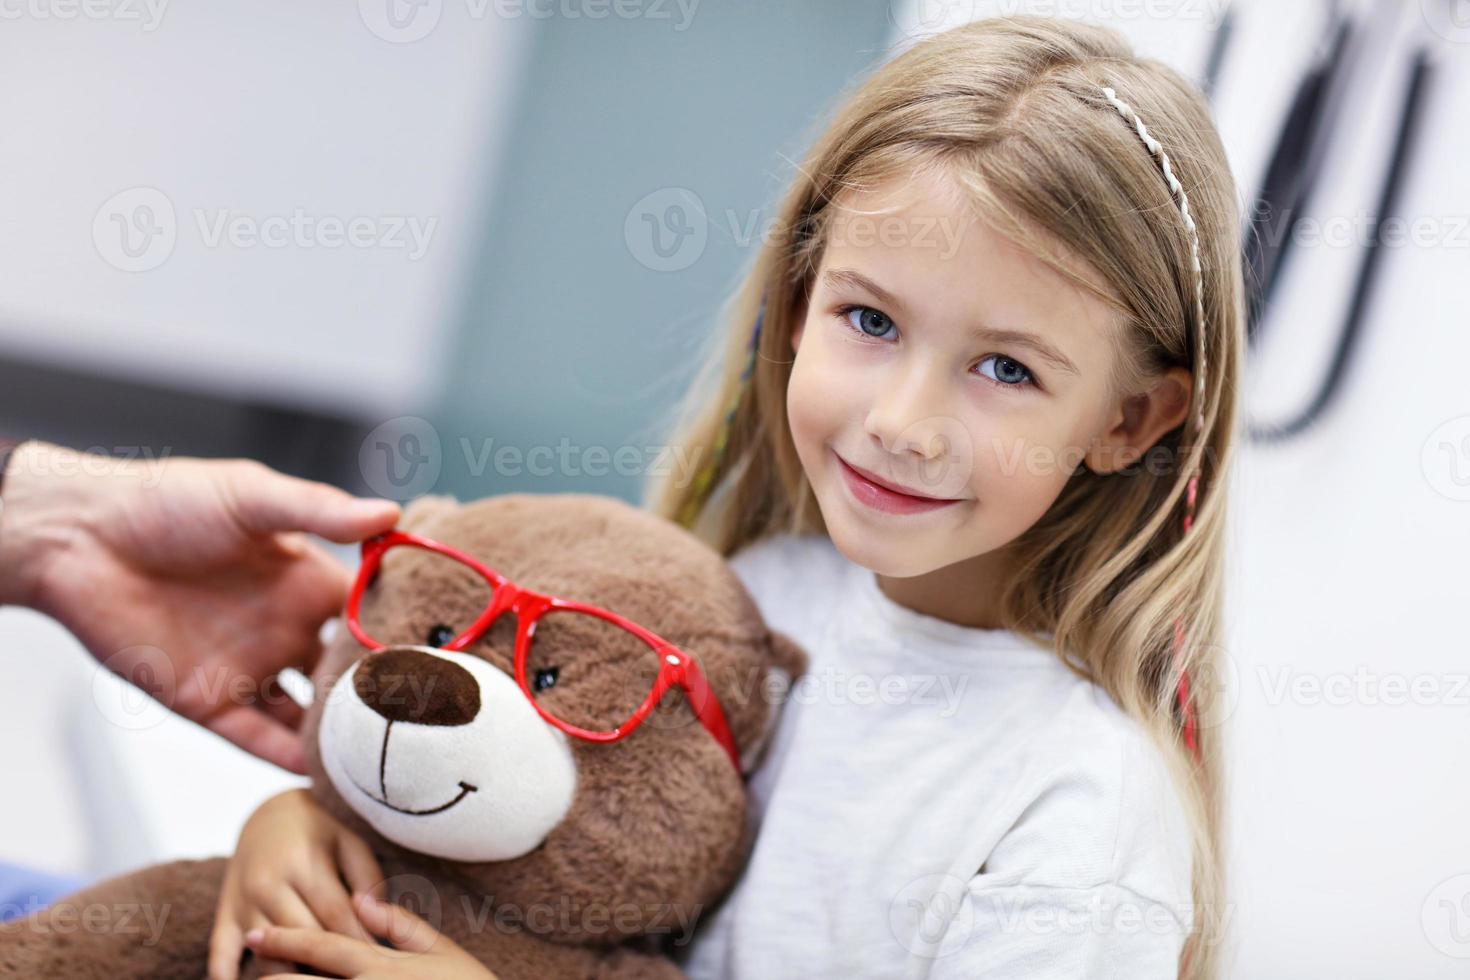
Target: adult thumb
[{"x": 267, "y": 501}]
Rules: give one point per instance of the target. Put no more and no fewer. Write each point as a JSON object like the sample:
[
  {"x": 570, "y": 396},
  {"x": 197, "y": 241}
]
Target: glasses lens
[
  {"x": 432, "y": 598},
  {"x": 588, "y": 672}
]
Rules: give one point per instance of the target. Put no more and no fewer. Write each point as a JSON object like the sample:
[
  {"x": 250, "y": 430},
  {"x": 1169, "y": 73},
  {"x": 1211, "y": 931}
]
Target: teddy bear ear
[
  {"x": 787, "y": 655},
  {"x": 421, "y": 511},
  {"x": 788, "y": 662}
]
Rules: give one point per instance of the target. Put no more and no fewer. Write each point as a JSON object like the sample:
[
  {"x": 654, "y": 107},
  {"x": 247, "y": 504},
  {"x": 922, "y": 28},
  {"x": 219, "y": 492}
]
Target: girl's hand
[
  {"x": 288, "y": 870},
  {"x": 419, "y": 950}
]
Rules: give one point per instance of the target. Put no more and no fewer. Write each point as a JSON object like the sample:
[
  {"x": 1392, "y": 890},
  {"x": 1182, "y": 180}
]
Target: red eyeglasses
[{"x": 646, "y": 662}]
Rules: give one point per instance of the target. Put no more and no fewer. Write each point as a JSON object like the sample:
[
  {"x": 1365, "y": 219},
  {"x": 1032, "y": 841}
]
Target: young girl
[{"x": 967, "y": 442}]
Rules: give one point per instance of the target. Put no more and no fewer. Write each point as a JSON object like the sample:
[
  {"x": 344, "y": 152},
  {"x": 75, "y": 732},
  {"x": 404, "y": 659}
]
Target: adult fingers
[
  {"x": 266, "y": 501},
  {"x": 260, "y": 735},
  {"x": 319, "y": 582},
  {"x": 312, "y": 595},
  {"x": 280, "y": 707},
  {"x": 273, "y": 701},
  {"x": 266, "y": 725}
]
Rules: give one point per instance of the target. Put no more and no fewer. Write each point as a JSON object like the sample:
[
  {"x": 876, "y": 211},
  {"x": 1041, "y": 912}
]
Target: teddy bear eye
[
  {"x": 544, "y": 678},
  {"x": 440, "y": 635}
]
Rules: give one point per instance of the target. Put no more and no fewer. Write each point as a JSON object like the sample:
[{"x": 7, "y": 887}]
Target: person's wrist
[{"x": 40, "y": 514}]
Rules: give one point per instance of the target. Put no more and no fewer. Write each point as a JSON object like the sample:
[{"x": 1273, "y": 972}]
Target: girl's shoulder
[{"x": 1096, "y": 807}]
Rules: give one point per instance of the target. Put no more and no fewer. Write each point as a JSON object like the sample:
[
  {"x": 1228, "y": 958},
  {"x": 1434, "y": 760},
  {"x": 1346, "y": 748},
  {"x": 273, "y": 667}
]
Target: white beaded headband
[{"x": 1126, "y": 111}]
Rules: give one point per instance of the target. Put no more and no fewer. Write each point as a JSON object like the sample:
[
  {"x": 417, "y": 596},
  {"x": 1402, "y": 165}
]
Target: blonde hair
[{"x": 1014, "y": 110}]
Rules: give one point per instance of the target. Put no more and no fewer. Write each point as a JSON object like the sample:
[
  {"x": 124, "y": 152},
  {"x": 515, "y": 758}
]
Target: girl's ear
[
  {"x": 422, "y": 511},
  {"x": 1142, "y": 419}
]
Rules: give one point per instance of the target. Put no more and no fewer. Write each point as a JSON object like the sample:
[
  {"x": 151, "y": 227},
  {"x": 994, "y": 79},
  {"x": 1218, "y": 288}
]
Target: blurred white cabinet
[{"x": 269, "y": 201}]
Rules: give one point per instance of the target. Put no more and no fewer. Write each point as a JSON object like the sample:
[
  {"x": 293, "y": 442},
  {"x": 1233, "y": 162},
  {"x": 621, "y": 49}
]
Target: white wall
[{"x": 247, "y": 113}]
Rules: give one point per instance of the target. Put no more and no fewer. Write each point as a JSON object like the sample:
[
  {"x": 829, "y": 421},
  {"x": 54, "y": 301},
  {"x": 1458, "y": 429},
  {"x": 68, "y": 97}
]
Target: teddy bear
[{"x": 530, "y": 819}]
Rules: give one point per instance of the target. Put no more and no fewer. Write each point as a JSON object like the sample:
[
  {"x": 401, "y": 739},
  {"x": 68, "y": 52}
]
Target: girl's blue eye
[
  {"x": 1008, "y": 372},
  {"x": 869, "y": 322}
]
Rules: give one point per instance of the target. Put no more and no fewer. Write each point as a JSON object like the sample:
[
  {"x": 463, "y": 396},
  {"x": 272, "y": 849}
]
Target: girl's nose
[{"x": 908, "y": 417}]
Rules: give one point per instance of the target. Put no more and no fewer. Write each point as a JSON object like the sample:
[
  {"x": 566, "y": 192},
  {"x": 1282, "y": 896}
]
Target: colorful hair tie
[{"x": 702, "y": 479}]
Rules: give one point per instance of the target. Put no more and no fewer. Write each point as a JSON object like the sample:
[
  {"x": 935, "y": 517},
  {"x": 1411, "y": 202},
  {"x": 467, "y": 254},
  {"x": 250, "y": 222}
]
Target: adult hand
[{"x": 194, "y": 578}]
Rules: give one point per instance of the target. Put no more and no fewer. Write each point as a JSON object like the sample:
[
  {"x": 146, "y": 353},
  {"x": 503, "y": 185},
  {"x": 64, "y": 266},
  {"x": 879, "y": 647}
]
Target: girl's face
[{"x": 936, "y": 358}]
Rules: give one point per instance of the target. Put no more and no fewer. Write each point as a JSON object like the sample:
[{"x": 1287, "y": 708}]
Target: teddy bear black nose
[{"x": 410, "y": 685}]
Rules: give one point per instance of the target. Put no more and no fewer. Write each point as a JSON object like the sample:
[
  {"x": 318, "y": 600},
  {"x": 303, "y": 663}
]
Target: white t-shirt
[{"x": 941, "y": 801}]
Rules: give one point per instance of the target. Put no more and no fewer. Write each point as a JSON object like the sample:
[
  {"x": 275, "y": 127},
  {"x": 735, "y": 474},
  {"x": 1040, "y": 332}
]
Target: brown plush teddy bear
[{"x": 543, "y": 852}]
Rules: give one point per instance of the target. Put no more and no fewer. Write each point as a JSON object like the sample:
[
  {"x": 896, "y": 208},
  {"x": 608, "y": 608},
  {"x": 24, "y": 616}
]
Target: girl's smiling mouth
[{"x": 881, "y": 495}]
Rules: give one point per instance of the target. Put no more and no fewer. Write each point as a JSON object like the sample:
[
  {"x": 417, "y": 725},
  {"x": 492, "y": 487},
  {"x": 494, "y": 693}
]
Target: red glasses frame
[{"x": 676, "y": 668}]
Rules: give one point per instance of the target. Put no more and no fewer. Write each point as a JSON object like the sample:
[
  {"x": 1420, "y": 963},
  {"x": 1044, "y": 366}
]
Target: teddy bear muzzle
[{"x": 442, "y": 753}]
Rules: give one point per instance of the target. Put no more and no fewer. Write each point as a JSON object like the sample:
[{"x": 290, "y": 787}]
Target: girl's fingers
[
  {"x": 396, "y": 924},
  {"x": 329, "y": 902},
  {"x": 227, "y": 938},
  {"x": 226, "y": 944},
  {"x": 227, "y": 941},
  {"x": 288, "y": 908},
  {"x": 328, "y": 951},
  {"x": 359, "y": 866}
]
